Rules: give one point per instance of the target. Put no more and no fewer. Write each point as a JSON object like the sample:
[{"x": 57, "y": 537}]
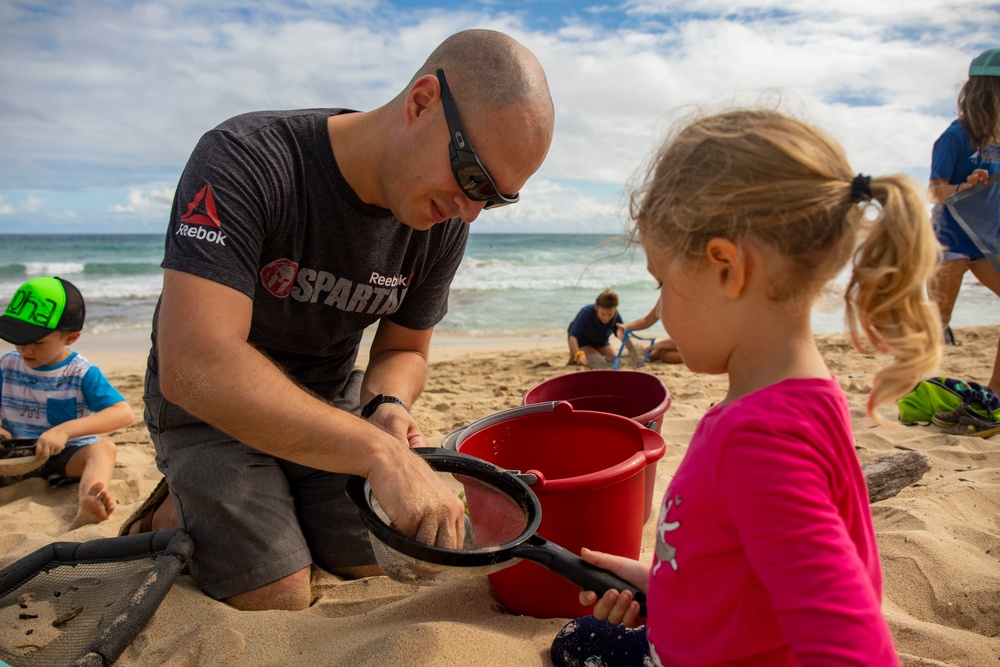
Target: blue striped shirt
[{"x": 33, "y": 400}]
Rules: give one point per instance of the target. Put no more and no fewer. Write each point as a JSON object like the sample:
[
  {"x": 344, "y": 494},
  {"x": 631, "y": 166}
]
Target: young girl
[{"x": 765, "y": 550}]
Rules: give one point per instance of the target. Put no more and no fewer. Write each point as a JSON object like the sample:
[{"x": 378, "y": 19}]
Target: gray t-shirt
[{"x": 263, "y": 208}]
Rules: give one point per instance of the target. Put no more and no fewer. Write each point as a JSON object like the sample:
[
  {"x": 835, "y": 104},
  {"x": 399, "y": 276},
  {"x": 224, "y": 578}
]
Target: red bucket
[
  {"x": 589, "y": 469},
  {"x": 633, "y": 394}
]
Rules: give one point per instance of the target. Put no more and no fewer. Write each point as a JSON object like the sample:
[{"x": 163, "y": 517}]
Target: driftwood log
[{"x": 888, "y": 475}]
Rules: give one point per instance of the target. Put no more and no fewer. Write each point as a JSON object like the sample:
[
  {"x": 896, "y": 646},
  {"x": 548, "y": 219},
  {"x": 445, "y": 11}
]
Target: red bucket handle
[
  {"x": 591, "y": 481},
  {"x": 654, "y": 446}
]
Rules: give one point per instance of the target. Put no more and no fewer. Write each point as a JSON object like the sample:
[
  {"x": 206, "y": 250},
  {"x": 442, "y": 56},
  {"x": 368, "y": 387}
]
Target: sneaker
[
  {"x": 973, "y": 424},
  {"x": 945, "y": 419}
]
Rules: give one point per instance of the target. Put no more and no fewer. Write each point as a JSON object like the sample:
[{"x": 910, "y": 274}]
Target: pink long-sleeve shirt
[{"x": 765, "y": 550}]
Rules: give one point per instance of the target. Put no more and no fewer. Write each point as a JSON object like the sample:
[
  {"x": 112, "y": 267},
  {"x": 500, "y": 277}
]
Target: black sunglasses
[{"x": 469, "y": 171}]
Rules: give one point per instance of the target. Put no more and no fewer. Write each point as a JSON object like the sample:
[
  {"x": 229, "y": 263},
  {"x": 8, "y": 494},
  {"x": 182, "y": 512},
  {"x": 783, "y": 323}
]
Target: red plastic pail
[
  {"x": 633, "y": 394},
  {"x": 590, "y": 480}
]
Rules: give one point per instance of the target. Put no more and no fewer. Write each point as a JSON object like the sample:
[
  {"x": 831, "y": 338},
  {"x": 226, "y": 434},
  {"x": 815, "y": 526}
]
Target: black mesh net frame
[{"x": 82, "y": 603}]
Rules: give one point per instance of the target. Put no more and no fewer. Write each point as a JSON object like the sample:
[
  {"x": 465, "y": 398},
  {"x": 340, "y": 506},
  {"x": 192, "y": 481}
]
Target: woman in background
[{"x": 966, "y": 154}]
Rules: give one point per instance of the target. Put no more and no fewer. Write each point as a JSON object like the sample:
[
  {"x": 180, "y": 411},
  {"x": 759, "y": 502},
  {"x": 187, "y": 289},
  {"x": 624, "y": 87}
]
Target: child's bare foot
[{"x": 95, "y": 506}]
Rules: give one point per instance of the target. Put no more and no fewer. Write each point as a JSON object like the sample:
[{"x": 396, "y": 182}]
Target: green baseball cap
[
  {"x": 39, "y": 307},
  {"x": 986, "y": 63}
]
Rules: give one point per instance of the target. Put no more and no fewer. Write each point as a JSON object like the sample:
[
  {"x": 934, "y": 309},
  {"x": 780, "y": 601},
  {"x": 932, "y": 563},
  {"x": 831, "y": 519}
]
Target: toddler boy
[{"x": 57, "y": 397}]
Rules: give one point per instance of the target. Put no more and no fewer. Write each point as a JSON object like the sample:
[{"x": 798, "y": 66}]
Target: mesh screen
[
  {"x": 633, "y": 351},
  {"x": 979, "y": 209},
  {"x": 54, "y": 616},
  {"x": 493, "y": 519}
]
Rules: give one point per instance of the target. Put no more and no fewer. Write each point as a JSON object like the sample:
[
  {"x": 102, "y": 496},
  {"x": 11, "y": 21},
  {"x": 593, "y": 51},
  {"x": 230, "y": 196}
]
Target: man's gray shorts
[{"x": 253, "y": 518}]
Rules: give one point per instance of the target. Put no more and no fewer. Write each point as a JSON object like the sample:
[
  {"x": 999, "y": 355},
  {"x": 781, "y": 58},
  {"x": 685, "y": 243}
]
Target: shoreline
[
  {"x": 122, "y": 350},
  {"x": 119, "y": 349}
]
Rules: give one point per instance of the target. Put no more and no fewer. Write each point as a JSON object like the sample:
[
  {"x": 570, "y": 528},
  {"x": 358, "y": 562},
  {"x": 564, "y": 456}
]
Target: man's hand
[
  {"x": 51, "y": 442},
  {"x": 4, "y": 435},
  {"x": 417, "y": 501},
  {"x": 396, "y": 420}
]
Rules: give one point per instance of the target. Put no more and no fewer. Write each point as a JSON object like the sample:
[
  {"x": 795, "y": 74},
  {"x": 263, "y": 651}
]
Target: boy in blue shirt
[
  {"x": 591, "y": 329},
  {"x": 57, "y": 397}
]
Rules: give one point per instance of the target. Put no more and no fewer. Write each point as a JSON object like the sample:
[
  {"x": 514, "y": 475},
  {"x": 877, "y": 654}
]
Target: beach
[{"x": 939, "y": 539}]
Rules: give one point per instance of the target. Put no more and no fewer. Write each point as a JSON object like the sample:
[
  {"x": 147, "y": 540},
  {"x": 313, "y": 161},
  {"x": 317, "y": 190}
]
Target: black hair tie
[{"x": 861, "y": 190}]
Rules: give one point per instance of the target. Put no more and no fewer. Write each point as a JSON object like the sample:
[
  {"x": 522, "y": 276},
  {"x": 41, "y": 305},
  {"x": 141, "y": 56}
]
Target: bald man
[{"x": 290, "y": 233}]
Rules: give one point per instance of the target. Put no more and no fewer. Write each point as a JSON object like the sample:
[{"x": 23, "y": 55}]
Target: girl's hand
[
  {"x": 4, "y": 435},
  {"x": 615, "y": 606},
  {"x": 51, "y": 442}
]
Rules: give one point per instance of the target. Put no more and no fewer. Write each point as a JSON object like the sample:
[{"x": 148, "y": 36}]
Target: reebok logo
[
  {"x": 199, "y": 232},
  {"x": 388, "y": 281},
  {"x": 201, "y": 210},
  {"x": 201, "y": 214}
]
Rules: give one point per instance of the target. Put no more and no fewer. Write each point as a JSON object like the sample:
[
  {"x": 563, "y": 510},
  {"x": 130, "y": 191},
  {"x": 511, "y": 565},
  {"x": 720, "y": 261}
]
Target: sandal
[
  {"x": 973, "y": 424},
  {"x": 144, "y": 515},
  {"x": 948, "y": 419}
]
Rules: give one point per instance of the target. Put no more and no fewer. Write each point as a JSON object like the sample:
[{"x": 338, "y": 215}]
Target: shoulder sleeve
[
  {"x": 97, "y": 391},
  {"x": 576, "y": 327},
  {"x": 777, "y": 488},
  {"x": 944, "y": 159},
  {"x": 220, "y": 212}
]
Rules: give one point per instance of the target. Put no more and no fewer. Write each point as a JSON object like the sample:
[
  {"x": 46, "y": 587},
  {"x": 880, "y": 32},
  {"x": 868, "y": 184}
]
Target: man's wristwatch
[{"x": 373, "y": 404}]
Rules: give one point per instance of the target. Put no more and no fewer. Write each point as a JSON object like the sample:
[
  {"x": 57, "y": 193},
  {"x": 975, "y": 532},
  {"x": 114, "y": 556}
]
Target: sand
[{"x": 939, "y": 539}]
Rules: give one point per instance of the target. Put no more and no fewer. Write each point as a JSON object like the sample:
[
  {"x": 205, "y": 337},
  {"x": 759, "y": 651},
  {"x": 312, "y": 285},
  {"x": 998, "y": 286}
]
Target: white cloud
[
  {"x": 156, "y": 202},
  {"x": 131, "y": 86},
  {"x": 31, "y": 204},
  {"x": 5, "y": 208},
  {"x": 548, "y": 206}
]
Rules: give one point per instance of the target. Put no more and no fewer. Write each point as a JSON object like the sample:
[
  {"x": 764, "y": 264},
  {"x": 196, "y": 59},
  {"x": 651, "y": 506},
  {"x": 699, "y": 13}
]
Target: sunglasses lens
[
  {"x": 486, "y": 190},
  {"x": 474, "y": 181}
]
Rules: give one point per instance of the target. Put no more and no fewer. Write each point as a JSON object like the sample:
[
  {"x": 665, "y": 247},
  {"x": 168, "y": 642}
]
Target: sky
[{"x": 102, "y": 102}]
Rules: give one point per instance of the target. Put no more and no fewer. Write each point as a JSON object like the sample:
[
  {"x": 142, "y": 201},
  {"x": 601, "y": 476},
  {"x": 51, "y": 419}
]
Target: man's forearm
[
  {"x": 396, "y": 373},
  {"x": 243, "y": 394}
]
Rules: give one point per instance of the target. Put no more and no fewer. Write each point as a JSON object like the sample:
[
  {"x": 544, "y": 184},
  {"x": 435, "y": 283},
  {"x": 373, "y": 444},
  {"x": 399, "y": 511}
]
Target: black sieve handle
[{"x": 575, "y": 569}]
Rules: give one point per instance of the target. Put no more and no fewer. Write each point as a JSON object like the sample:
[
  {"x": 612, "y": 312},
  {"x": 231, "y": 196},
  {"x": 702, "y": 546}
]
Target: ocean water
[{"x": 508, "y": 284}]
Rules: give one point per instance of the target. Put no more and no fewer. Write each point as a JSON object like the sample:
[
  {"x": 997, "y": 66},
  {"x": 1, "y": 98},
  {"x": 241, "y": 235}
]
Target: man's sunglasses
[{"x": 469, "y": 171}]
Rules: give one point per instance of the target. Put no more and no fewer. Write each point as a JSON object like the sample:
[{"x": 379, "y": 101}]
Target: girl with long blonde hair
[{"x": 765, "y": 549}]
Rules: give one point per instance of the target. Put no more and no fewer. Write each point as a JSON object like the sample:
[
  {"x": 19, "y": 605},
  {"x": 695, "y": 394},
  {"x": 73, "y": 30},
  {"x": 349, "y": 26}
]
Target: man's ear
[
  {"x": 729, "y": 266},
  {"x": 422, "y": 95}
]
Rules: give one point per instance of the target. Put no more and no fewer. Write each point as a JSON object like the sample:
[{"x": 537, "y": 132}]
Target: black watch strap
[{"x": 373, "y": 404}]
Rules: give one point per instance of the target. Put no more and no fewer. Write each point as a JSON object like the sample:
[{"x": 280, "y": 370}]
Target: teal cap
[{"x": 986, "y": 63}]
